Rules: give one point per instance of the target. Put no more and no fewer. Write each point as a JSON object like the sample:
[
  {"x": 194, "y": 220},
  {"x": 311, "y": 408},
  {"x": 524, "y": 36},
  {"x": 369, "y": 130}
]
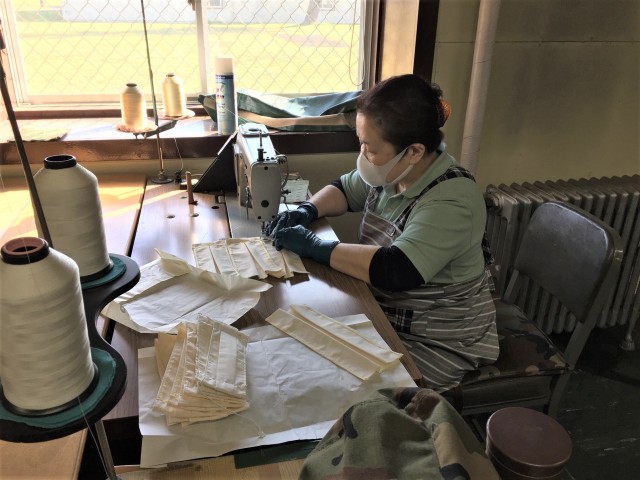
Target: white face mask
[{"x": 376, "y": 175}]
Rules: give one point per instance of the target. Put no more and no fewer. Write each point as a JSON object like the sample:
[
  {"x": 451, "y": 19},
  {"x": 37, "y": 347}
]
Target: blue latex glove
[
  {"x": 305, "y": 243},
  {"x": 304, "y": 215}
]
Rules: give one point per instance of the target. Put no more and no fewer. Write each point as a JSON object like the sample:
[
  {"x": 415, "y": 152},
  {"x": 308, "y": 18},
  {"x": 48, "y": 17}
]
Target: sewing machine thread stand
[{"x": 105, "y": 450}]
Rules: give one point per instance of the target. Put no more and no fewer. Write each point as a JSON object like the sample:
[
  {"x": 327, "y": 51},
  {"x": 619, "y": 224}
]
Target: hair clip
[{"x": 444, "y": 110}]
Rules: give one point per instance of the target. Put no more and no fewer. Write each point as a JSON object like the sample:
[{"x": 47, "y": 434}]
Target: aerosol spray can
[{"x": 226, "y": 110}]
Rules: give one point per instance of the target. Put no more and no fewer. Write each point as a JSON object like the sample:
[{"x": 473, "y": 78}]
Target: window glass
[{"x": 71, "y": 51}]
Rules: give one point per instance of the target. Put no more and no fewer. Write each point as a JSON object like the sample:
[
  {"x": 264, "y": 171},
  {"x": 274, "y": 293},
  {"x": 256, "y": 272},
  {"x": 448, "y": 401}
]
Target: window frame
[
  {"x": 423, "y": 57},
  {"x": 23, "y": 100}
]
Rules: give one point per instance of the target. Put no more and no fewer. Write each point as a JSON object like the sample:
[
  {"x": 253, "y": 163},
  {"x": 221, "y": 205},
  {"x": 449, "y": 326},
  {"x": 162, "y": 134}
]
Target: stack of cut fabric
[
  {"x": 247, "y": 257},
  {"x": 205, "y": 375}
]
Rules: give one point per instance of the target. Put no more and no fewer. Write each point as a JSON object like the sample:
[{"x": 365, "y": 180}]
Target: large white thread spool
[
  {"x": 45, "y": 360},
  {"x": 133, "y": 107},
  {"x": 173, "y": 96},
  {"x": 71, "y": 204}
]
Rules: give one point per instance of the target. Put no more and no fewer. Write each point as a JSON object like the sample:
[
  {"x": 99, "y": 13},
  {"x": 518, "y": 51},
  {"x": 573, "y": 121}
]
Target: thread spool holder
[
  {"x": 163, "y": 126},
  {"x": 95, "y": 299},
  {"x": 161, "y": 177}
]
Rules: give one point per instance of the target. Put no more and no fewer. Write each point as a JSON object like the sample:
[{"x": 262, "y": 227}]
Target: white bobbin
[
  {"x": 46, "y": 360},
  {"x": 175, "y": 101},
  {"x": 71, "y": 204},
  {"x": 133, "y": 107}
]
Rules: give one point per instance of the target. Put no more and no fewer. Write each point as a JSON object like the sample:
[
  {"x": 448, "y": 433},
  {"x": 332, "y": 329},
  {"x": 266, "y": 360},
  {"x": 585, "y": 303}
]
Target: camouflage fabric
[
  {"x": 406, "y": 433},
  {"x": 524, "y": 349}
]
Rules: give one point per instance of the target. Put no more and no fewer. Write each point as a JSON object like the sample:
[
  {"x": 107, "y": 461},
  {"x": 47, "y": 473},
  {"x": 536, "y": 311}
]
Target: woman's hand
[
  {"x": 304, "y": 215},
  {"x": 305, "y": 243}
]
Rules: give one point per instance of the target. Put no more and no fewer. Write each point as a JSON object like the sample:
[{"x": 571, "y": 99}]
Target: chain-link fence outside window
[{"x": 64, "y": 51}]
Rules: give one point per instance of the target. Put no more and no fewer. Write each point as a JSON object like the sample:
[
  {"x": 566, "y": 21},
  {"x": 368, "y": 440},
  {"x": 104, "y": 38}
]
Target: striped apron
[{"x": 448, "y": 329}]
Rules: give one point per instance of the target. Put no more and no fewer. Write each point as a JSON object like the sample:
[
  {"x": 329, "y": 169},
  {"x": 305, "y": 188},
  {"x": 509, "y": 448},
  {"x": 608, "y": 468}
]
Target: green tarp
[{"x": 332, "y": 112}]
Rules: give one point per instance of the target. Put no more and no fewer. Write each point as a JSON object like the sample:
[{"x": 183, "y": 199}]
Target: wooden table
[
  {"x": 168, "y": 222},
  {"x": 121, "y": 197}
]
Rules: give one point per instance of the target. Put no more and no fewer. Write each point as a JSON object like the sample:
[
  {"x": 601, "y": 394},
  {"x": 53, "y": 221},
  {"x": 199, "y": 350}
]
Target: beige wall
[{"x": 564, "y": 96}]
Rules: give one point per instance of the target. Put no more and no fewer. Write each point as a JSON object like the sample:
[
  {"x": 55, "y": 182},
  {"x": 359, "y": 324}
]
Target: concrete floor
[{"x": 600, "y": 409}]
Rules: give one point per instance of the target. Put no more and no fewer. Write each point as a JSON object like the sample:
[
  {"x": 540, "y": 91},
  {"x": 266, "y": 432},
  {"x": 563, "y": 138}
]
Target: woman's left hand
[{"x": 305, "y": 243}]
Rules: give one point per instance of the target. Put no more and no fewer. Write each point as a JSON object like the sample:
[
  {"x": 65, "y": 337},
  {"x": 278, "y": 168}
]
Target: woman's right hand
[{"x": 304, "y": 215}]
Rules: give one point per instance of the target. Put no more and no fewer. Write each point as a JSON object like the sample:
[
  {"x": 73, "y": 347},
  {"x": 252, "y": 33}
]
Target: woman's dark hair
[{"x": 407, "y": 110}]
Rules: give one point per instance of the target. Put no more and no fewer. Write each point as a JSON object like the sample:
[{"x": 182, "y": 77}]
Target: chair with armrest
[{"x": 566, "y": 256}]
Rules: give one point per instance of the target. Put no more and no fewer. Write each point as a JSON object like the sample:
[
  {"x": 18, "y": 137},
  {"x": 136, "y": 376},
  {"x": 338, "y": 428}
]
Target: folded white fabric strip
[
  {"x": 221, "y": 364},
  {"x": 247, "y": 257},
  {"x": 205, "y": 377},
  {"x": 335, "y": 341}
]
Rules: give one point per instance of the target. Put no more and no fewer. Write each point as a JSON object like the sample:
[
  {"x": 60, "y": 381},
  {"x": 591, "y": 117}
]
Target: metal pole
[
  {"x": 161, "y": 177},
  {"x": 109, "y": 467},
  {"x": 21, "y": 150},
  {"x": 480, "y": 73}
]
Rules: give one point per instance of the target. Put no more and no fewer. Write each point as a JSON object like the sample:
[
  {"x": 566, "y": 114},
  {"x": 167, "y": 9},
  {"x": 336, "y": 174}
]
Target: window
[
  {"x": 85, "y": 51},
  {"x": 326, "y": 4}
]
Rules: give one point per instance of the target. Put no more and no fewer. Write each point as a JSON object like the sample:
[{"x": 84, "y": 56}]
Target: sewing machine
[{"x": 257, "y": 170}]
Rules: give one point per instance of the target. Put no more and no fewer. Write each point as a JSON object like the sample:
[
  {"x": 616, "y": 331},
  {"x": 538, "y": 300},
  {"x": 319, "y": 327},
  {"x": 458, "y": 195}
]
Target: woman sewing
[{"x": 420, "y": 239}]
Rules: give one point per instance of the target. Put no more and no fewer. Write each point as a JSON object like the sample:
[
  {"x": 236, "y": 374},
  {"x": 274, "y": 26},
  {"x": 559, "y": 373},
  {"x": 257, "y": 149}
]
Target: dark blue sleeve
[{"x": 392, "y": 270}]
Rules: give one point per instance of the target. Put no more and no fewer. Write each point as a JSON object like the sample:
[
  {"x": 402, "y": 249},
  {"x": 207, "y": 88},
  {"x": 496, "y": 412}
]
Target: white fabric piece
[
  {"x": 163, "y": 396},
  {"x": 229, "y": 256},
  {"x": 270, "y": 261},
  {"x": 171, "y": 291},
  {"x": 204, "y": 258},
  {"x": 164, "y": 344},
  {"x": 242, "y": 260},
  {"x": 220, "y": 358},
  {"x": 333, "y": 340},
  {"x": 247, "y": 257},
  {"x": 292, "y": 262},
  {"x": 294, "y": 394}
]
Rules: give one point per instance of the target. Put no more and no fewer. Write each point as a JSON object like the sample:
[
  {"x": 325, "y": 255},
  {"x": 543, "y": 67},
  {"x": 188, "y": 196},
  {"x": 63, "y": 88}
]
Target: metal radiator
[{"x": 615, "y": 200}]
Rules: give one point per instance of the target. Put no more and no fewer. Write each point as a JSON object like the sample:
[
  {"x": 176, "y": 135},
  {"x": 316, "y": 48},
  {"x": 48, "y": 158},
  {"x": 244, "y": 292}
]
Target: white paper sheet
[
  {"x": 294, "y": 394},
  {"x": 298, "y": 191},
  {"x": 171, "y": 291}
]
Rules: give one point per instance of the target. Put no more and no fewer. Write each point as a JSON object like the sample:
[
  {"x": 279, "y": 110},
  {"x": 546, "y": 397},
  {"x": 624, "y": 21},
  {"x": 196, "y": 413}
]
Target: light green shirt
[{"x": 443, "y": 234}]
